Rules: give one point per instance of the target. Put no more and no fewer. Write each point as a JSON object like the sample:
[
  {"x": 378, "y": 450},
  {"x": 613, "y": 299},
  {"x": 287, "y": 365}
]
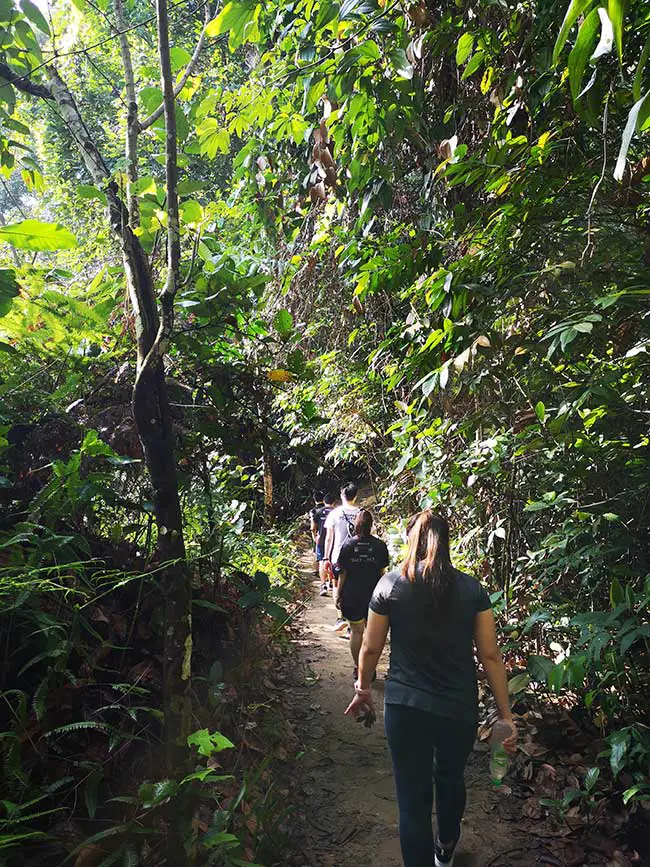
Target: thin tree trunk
[
  {"x": 267, "y": 466},
  {"x": 132, "y": 127},
  {"x": 153, "y": 423},
  {"x": 178, "y": 590}
]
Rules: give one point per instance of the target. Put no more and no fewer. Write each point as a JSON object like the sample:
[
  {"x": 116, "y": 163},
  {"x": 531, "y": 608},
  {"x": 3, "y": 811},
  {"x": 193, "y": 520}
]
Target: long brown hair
[
  {"x": 363, "y": 524},
  {"x": 428, "y": 557}
]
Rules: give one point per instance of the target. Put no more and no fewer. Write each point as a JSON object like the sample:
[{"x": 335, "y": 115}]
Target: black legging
[{"x": 425, "y": 749}]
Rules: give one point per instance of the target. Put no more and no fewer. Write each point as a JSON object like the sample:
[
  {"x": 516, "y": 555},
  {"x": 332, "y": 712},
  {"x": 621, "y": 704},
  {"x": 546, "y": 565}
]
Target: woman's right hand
[{"x": 510, "y": 742}]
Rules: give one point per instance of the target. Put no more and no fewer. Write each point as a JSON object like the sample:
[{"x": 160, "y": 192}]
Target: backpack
[{"x": 349, "y": 521}]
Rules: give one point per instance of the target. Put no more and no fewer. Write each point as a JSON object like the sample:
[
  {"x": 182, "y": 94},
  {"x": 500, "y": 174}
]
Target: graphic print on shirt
[{"x": 339, "y": 520}]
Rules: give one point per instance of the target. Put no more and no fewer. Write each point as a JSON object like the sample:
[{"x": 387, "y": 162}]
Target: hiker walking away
[
  {"x": 363, "y": 560},
  {"x": 340, "y": 527},
  {"x": 435, "y": 614},
  {"x": 313, "y": 521},
  {"x": 319, "y": 533}
]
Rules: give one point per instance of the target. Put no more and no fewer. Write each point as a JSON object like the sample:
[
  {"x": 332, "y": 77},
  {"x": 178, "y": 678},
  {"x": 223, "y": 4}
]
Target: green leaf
[
  {"x": 474, "y": 65},
  {"x": 283, "y": 322},
  {"x": 616, "y": 10},
  {"x": 619, "y": 743},
  {"x": 88, "y": 191},
  {"x": 37, "y": 236},
  {"x": 35, "y": 15},
  {"x": 401, "y": 63},
  {"x": 191, "y": 212},
  {"x": 628, "y": 132},
  {"x": 208, "y": 743},
  {"x": 91, "y": 792},
  {"x": 240, "y": 20},
  {"x": 9, "y": 289},
  {"x": 582, "y": 51},
  {"x": 151, "y": 98},
  {"x": 153, "y": 794},
  {"x": 540, "y": 411},
  {"x": 575, "y": 10},
  {"x": 464, "y": 48},
  {"x": 591, "y": 778},
  {"x": 518, "y": 683},
  {"x": 327, "y": 12},
  {"x": 539, "y": 667},
  {"x": 212, "y": 139},
  {"x": 179, "y": 58},
  {"x": 638, "y": 75}
]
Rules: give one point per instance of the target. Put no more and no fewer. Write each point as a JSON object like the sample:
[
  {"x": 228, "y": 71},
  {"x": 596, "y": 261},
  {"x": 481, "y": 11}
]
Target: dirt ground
[{"x": 348, "y": 816}]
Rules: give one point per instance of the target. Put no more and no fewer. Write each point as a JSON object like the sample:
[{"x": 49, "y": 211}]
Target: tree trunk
[
  {"x": 267, "y": 466},
  {"x": 153, "y": 423}
]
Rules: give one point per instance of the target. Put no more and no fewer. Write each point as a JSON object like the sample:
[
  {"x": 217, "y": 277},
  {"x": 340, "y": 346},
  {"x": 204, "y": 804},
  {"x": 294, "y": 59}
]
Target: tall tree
[{"x": 153, "y": 310}]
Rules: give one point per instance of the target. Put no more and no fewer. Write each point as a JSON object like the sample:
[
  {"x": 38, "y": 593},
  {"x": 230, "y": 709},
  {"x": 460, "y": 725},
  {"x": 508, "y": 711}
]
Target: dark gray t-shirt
[{"x": 432, "y": 645}]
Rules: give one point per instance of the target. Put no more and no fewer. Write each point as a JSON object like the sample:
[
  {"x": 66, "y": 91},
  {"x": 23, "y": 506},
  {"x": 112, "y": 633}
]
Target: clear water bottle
[{"x": 499, "y": 757}]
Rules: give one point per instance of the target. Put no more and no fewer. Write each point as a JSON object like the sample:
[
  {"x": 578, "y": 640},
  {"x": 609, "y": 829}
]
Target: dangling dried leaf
[
  {"x": 262, "y": 163},
  {"x": 318, "y": 192}
]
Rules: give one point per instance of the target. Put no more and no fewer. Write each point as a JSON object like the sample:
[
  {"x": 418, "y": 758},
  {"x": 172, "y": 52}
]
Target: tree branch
[
  {"x": 132, "y": 126},
  {"x": 166, "y": 297},
  {"x": 136, "y": 265},
  {"x": 189, "y": 69},
  {"x": 23, "y": 84}
]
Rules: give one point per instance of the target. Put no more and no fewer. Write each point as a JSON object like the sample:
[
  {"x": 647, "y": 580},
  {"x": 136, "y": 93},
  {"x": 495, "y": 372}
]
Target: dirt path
[{"x": 348, "y": 817}]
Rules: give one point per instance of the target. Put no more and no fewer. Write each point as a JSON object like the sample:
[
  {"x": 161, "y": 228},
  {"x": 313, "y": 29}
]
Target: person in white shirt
[{"x": 340, "y": 527}]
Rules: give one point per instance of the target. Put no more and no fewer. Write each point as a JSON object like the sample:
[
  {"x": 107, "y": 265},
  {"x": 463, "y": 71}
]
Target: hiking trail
[{"x": 348, "y": 814}]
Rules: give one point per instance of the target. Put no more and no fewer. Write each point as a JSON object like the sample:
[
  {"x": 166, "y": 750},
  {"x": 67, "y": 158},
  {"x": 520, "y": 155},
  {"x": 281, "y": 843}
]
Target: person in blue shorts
[{"x": 318, "y": 517}]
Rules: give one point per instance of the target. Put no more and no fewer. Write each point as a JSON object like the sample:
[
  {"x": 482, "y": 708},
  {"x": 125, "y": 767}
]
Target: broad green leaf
[
  {"x": 575, "y": 10},
  {"x": 474, "y": 65},
  {"x": 191, "y": 212},
  {"x": 179, "y": 58},
  {"x": 591, "y": 778},
  {"x": 540, "y": 411},
  {"x": 151, "y": 98},
  {"x": 212, "y": 138},
  {"x": 7, "y": 10},
  {"x": 518, "y": 683},
  {"x": 327, "y": 12},
  {"x": 208, "y": 743},
  {"x": 9, "y": 289},
  {"x": 88, "y": 191},
  {"x": 616, "y": 10},
  {"x": 606, "y": 41},
  {"x": 38, "y": 237},
  {"x": 401, "y": 63},
  {"x": 464, "y": 48},
  {"x": 35, "y": 15},
  {"x": 628, "y": 132},
  {"x": 539, "y": 667},
  {"x": 582, "y": 51},
  {"x": 283, "y": 322},
  {"x": 240, "y": 20}
]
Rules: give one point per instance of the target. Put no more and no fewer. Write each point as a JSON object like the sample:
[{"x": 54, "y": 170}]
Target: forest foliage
[{"x": 414, "y": 245}]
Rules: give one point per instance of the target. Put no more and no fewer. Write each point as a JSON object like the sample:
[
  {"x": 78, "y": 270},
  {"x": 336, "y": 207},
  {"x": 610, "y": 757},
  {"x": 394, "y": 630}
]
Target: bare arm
[
  {"x": 485, "y": 638},
  {"x": 374, "y": 640},
  {"x": 314, "y": 530},
  {"x": 329, "y": 543}
]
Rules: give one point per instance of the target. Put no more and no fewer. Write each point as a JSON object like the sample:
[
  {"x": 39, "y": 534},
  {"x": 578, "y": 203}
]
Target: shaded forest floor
[{"x": 345, "y": 814}]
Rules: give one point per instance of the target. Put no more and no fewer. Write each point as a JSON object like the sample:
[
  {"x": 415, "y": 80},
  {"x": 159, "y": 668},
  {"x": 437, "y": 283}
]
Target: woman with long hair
[
  {"x": 362, "y": 560},
  {"x": 436, "y": 615}
]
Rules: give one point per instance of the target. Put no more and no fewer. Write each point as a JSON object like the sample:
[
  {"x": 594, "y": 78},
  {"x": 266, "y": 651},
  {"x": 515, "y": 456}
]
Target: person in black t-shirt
[
  {"x": 436, "y": 616},
  {"x": 318, "y": 517},
  {"x": 362, "y": 560}
]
